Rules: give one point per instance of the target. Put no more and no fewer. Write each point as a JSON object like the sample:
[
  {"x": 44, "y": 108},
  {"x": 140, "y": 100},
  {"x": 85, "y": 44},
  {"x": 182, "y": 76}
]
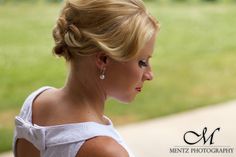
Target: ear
[{"x": 102, "y": 60}]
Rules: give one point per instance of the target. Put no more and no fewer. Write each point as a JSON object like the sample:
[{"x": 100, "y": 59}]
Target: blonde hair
[{"x": 120, "y": 28}]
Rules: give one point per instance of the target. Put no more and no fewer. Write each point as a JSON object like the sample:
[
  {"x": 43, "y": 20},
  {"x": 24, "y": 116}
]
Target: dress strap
[
  {"x": 32, "y": 133},
  {"x": 24, "y": 127},
  {"x": 71, "y": 133},
  {"x": 44, "y": 137}
]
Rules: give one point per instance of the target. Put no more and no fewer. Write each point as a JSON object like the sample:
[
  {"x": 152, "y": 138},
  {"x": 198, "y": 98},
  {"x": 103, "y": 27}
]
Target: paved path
[
  {"x": 155, "y": 138},
  {"x": 6, "y": 155}
]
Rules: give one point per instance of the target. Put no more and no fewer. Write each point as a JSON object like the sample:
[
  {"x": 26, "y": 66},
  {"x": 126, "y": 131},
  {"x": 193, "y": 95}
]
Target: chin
[{"x": 125, "y": 99}]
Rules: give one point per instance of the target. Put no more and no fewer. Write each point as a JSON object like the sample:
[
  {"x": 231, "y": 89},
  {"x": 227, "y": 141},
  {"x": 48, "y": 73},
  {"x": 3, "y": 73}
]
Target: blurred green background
[{"x": 194, "y": 61}]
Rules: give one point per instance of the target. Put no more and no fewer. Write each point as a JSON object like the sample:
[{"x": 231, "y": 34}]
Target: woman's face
[{"x": 124, "y": 80}]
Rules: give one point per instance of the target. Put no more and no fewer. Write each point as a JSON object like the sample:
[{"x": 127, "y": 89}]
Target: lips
[{"x": 139, "y": 89}]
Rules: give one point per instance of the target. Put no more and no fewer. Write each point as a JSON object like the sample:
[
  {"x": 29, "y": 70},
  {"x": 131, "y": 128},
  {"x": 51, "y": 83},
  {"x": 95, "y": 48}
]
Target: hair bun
[
  {"x": 119, "y": 28},
  {"x": 72, "y": 36}
]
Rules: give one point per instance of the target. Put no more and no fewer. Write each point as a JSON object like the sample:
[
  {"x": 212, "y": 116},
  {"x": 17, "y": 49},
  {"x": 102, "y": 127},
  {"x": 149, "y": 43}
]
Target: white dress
[{"x": 59, "y": 140}]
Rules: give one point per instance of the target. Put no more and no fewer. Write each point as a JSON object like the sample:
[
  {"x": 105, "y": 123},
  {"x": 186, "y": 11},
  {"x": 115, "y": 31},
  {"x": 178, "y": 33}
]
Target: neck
[{"x": 84, "y": 92}]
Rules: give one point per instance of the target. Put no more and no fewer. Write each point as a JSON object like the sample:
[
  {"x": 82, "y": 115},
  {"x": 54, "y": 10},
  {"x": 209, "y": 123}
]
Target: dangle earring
[{"x": 102, "y": 74}]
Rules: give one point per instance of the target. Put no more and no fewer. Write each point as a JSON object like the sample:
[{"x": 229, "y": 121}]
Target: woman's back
[{"x": 62, "y": 140}]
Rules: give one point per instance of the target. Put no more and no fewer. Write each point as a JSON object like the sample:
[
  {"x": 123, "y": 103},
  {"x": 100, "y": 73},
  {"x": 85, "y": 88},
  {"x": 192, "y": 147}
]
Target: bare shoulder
[
  {"x": 42, "y": 106},
  {"x": 102, "y": 146}
]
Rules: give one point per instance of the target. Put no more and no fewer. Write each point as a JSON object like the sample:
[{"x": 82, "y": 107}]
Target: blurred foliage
[
  {"x": 29, "y": 1},
  {"x": 6, "y": 135}
]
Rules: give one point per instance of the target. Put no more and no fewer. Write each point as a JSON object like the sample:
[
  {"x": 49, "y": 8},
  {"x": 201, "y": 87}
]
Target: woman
[{"x": 107, "y": 44}]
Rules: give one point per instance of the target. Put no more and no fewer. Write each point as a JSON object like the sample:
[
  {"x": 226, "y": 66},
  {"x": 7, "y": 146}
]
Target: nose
[{"x": 148, "y": 75}]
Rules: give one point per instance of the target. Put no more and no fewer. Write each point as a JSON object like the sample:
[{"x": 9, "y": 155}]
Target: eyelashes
[{"x": 142, "y": 63}]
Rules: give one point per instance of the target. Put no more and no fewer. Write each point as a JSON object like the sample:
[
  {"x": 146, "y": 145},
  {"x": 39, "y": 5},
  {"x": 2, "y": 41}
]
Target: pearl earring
[{"x": 102, "y": 75}]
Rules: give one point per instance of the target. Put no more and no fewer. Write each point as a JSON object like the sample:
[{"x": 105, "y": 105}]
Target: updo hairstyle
[{"x": 120, "y": 28}]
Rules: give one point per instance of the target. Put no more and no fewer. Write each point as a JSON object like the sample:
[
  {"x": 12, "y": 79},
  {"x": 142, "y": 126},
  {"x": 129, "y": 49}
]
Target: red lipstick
[{"x": 139, "y": 89}]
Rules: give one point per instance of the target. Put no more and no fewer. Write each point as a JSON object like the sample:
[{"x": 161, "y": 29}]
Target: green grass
[{"x": 194, "y": 61}]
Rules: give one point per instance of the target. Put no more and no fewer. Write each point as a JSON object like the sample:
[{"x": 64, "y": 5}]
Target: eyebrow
[{"x": 149, "y": 56}]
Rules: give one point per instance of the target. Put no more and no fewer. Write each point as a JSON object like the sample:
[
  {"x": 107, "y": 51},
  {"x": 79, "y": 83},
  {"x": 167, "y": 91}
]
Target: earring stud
[{"x": 102, "y": 75}]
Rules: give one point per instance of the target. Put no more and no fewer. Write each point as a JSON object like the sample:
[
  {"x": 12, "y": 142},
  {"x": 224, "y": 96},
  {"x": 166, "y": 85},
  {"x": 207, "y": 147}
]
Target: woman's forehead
[{"x": 148, "y": 48}]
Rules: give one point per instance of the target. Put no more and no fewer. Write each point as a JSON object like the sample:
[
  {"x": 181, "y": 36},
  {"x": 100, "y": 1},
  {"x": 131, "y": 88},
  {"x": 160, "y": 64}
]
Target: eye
[{"x": 142, "y": 63}]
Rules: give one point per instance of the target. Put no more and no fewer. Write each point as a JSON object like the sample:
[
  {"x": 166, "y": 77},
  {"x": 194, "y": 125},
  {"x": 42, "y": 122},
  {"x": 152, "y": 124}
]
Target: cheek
[
  {"x": 121, "y": 82},
  {"x": 134, "y": 76},
  {"x": 125, "y": 78}
]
